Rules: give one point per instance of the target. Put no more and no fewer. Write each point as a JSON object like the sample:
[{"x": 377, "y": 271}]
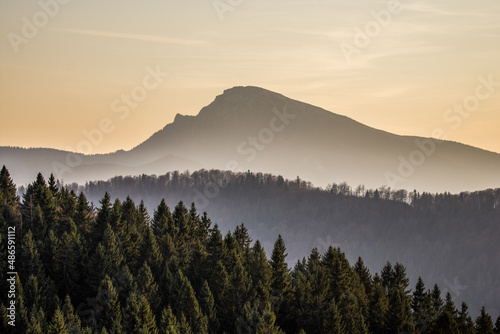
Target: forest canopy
[{"x": 115, "y": 268}]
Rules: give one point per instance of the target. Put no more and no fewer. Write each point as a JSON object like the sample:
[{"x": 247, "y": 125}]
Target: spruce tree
[
  {"x": 108, "y": 310},
  {"x": 36, "y": 323},
  {"x": 437, "y": 301},
  {"x": 352, "y": 314},
  {"x": 151, "y": 251},
  {"x": 400, "y": 280},
  {"x": 162, "y": 219},
  {"x": 267, "y": 323},
  {"x": 297, "y": 314},
  {"x": 48, "y": 206},
  {"x": 132, "y": 247},
  {"x": 378, "y": 307},
  {"x": 260, "y": 272},
  {"x": 147, "y": 318},
  {"x": 418, "y": 296},
  {"x": 398, "y": 314},
  {"x": 484, "y": 324},
  {"x": 339, "y": 271},
  {"x": 129, "y": 215},
  {"x": 422, "y": 307},
  {"x": 58, "y": 325},
  {"x": 169, "y": 323},
  {"x": 280, "y": 277},
  {"x": 446, "y": 322},
  {"x": 30, "y": 264},
  {"x": 207, "y": 306},
  {"x": 83, "y": 214},
  {"x": 181, "y": 219},
  {"x": 148, "y": 287},
  {"x": 184, "y": 326},
  {"x": 124, "y": 283},
  {"x": 66, "y": 263},
  {"x": 115, "y": 220},
  {"x": 465, "y": 322},
  {"x": 102, "y": 220},
  {"x": 333, "y": 322},
  {"x": 114, "y": 254},
  {"x": 364, "y": 275},
  {"x": 7, "y": 189},
  {"x": 239, "y": 287},
  {"x": 215, "y": 247},
  {"x": 143, "y": 217},
  {"x": 317, "y": 293},
  {"x": 188, "y": 305},
  {"x": 53, "y": 185},
  {"x": 242, "y": 237},
  {"x": 71, "y": 319},
  {"x": 32, "y": 293},
  {"x": 204, "y": 229},
  {"x": 387, "y": 276},
  {"x": 21, "y": 309},
  {"x": 220, "y": 286}
]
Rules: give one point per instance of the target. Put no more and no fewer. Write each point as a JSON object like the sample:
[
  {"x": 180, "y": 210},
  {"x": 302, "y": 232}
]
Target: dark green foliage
[
  {"x": 169, "y": 323},
  {"x": 484, "y": 324},
  {"x": 333, "y": 322},
  {"x": 58, "y": 325},
  {"x": 139, "y": 317},
  {"x": 7, "y": 189},
  {"x": 398, "y": 314},
  {"x": 437, "y": 301},
  {"x": 378, "y": 307},
  {"x": 107, "y": 307},
  {"x": 260, "y": 272},
  {"x": 148, "y": 287},
  {"x": 187, "y": 304},
  {"x": 447, "y": 319},
  {"x": 364, "y": 275},
  {"x": 114, "y": 270},
  {"x": 37, "y": 323},
  {"x": 207, "y": 306},
  {"x": 72, "y": 320},
  {"x": 280, "y": 277},
  {"x": 465, "y": 322}
]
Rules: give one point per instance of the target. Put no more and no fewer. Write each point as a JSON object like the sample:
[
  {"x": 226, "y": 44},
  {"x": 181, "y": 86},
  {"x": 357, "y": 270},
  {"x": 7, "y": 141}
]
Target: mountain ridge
[{"x": 251, "y": 128}]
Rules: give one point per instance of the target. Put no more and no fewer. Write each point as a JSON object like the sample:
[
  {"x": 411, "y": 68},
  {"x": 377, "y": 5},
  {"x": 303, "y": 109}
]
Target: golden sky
[{"x": 408, "y": 67}]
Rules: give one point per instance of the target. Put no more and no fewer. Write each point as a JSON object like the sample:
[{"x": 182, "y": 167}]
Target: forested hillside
[
  {"x": 445, "y": 238},
  {"x": 115, "y": 269}
]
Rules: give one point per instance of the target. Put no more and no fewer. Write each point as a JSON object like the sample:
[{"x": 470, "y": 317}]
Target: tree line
[
  {"x": 439, "y": 236},
  {"x": 116, "y": 269}
]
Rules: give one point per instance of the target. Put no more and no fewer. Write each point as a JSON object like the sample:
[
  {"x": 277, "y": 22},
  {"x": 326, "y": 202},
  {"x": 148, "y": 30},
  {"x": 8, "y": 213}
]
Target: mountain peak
[
  {"x": 247, "y": 90},
  {"x": 244, "y": 102}
]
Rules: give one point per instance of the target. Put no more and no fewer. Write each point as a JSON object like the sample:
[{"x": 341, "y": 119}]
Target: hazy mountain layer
[{"x": 249, "y": 128}]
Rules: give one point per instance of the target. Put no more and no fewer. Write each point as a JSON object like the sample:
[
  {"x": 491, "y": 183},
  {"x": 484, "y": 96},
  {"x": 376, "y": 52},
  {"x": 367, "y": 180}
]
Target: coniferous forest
[{"x": 114, "y": 268}]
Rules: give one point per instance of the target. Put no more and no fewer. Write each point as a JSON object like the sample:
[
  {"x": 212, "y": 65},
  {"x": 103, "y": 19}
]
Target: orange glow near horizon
[{"x": 406, "y": 70}]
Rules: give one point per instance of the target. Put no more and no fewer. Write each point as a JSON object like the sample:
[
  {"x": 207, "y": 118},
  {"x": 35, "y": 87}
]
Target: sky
[{"x": 124, "y": 69}]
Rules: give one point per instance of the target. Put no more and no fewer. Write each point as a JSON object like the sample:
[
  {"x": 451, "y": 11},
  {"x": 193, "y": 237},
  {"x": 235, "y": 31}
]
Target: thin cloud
[{"x": 138, "y": 37}]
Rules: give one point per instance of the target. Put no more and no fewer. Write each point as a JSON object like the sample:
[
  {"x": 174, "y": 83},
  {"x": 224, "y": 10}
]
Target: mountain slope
[{"x": 253, "y": 128}]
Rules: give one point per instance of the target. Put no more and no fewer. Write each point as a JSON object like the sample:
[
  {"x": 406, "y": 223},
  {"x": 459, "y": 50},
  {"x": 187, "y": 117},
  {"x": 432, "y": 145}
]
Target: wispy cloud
[
  {"x": 138, "y": 37},
  {"x": 446, "y": 13}
]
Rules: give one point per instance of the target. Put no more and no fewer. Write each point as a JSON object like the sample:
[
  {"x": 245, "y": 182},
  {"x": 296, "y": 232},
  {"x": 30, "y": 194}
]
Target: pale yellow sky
[{"x": 402, "y": 66}]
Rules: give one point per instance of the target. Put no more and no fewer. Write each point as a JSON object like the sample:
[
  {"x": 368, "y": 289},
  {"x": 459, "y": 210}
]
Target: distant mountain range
[{"x": 250, "y": 128}]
